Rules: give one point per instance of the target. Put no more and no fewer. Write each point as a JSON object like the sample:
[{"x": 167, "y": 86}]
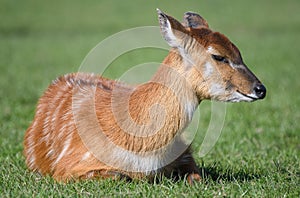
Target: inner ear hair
[
  {"x": 176, "y": 25},
  {"x": 194, "y": 20},
  {"x": 172, "y": 30}
]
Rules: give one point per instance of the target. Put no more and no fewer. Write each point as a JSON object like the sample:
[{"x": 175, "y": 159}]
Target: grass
[{"x": 257, "y": 154}]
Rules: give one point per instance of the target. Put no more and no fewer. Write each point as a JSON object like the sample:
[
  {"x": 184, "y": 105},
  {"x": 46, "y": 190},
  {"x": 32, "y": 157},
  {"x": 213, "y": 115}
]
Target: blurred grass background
[{"x": 258, "y": 151}]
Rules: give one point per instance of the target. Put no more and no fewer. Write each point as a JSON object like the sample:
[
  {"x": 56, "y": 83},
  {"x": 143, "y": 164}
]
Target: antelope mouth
[{"x": 250, "y": 96}]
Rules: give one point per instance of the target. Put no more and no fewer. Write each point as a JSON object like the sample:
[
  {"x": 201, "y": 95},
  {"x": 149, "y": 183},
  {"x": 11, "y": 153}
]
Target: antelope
[{"x": 87, "y": 126}]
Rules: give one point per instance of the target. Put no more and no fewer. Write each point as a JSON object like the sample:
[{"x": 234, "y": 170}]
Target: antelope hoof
[{"x": 193, "y": 177}]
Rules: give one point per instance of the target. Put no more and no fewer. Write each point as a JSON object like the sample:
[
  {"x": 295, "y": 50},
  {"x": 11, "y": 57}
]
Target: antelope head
[{"x": 210, "y": 62}]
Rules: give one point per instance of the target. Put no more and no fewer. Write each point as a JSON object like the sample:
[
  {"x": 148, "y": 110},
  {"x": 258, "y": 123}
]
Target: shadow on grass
[
  {"x": 218, "y": 174},
  {"x": 215, "y": 173}
]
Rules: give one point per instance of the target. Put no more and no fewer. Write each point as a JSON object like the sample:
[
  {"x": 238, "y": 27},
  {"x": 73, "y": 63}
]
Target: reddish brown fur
[
  {"x": 70, "y": 166},
  {"x": 81, "y": 104}
]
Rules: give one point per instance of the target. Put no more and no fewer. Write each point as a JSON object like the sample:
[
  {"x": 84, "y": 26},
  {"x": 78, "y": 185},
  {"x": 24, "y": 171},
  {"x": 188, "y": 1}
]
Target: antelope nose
[{"x": 260, "y": 91}]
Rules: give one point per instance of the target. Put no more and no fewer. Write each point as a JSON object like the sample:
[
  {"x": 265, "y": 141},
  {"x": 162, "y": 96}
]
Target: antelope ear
[
  {"x": 172, "y": 30},
  {"x": 194, "y": 20}
]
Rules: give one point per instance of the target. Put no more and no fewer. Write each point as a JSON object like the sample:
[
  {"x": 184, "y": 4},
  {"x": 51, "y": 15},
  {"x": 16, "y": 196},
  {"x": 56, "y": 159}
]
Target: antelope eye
[{"x": 219, "y": 58}]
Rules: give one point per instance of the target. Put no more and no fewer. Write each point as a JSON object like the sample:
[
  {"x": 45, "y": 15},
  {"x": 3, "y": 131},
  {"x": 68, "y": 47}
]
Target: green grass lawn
[{"x": 258, "y": 152}]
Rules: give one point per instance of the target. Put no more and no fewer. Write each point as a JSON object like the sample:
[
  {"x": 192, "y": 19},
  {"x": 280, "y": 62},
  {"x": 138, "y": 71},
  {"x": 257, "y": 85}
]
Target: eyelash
[{"x": 219, "y": 58}]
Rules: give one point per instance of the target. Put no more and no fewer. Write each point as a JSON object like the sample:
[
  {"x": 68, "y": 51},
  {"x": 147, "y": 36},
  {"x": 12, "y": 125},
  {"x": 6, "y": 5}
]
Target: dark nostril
[{"x": 260, "y": 91}]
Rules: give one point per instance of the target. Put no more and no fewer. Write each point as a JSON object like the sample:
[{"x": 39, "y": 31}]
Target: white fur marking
[
  {"x": 169, "y": 35},
  {"x": 216, "y": 90},
  {"x": 86, "y": 156},
  {"x": 209, "y": 69},
  {"x": 140, "y": 162},
  {"x": 189, "y": 110},
  {"x": 235, "y": 66},
  {"x": 90, "y": 174},
  {"x": 30, "y": 149},
  {"x": 237, "y": 97},
  {"x": 252, "y": 95},
  {"x": 31, "y": 161},
  {"x": 49, "y": 153},
  {"x": 211, "y": 50},
  {"x": 63, "y": 152}
]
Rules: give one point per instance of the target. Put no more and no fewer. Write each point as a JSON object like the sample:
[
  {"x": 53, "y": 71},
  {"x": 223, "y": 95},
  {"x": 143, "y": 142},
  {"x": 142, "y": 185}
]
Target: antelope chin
[{"x": 237, "y": 96}]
